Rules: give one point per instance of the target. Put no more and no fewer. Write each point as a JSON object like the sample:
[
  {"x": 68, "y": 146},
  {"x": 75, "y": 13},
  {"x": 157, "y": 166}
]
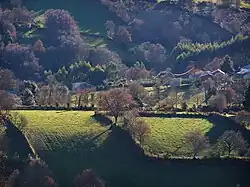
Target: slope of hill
[
  {"x": 88, "y": 14},
  {"x": 70, "y": 141}
]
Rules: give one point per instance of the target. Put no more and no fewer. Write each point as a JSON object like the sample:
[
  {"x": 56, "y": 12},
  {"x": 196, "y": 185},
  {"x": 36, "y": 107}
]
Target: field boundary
[{"x": 11, "y": 126}]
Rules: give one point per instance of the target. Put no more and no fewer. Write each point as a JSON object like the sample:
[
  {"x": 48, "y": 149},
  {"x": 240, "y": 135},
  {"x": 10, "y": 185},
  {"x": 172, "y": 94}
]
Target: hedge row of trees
[
  {"x": 184, "y": 50},
  {"x": 120, "y": 103}
]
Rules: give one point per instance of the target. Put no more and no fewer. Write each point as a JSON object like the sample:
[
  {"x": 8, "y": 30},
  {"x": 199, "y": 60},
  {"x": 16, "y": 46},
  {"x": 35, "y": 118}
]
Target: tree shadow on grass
[
  {"x": 17, "y": 143},
  {"x": 221, "y": 124},
  {"x": 103, "y": 120},
  {"x": 120, "y": 162}
]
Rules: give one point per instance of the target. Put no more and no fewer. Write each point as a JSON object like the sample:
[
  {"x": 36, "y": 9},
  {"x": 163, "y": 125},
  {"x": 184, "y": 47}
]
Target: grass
[
  {"x": 168, "y": 134},
  {"x": 72, "y": 141},
  {"x": 50, "y": 127}
]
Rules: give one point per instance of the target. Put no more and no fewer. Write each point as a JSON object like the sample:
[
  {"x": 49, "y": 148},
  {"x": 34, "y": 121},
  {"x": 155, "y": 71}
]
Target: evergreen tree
[
  {"x": 227, "y": 65},
  {"x": 246, "y": 103}
]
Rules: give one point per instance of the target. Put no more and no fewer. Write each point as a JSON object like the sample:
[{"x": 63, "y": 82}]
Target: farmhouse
[{"x": 244, "y": 72}]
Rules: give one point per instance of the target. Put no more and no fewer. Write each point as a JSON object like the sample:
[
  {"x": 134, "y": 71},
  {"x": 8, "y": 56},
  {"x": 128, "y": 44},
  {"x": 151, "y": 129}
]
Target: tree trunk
[
  {"x": 229, "y": 152},
  {"x": 176, "y": 99},
  {"x": 79, "y": 100},
  {"x": 195, "y": 154},
  {"x": 116, "y": 119},
  {"x": 206, "y": 96}
]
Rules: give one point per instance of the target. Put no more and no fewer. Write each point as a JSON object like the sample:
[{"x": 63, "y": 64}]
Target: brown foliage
[
  {"x": 129, "y": 118},
  {"x": 197, "y": 141},
  {"x": 88, "y": 178},
  {"x": 135, "y": 73},
  {"x": 38, "y": 46},
  {"x": 7, "y": 101},
  {"x": 219, "y": 102},
  {"x": 231, "y": 142},
  {"x": 137, "y": 91},
  {"x": 140, "y": 130},
  {"x": 37, "y": 174},
  {"x": 115, "y": 101},
  {"x": 7, "y": 79},
  {"x": 123, "y": 35}
]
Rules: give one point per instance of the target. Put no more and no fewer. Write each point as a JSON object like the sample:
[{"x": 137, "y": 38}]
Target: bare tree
[
  {"x": 110, "y": 26},
  {"x": 115, "y": 101},
  {"x": 137, "y": 91},
  {"x": 7, "y": 101},
  {"x": 207, "y": 85},
  {"x": 123, "y": 35},
  {"x": 129, "y": 118},
  {"x": 231, "y": 142},
  {"x": 230, "y": 95},
  {"x": 62, "y": 94},
  {"x": 88, "y": 178},
  {"x": 175, "y": 98},
  {"x": 53, "y": 94},
  {"x": 196, "y": 142},
  {"x": 140, "y": 130},
  {"x": 7, "y": 80},
  {"x": 219, "y": 102},
  {"x": 103, "y": 56}
]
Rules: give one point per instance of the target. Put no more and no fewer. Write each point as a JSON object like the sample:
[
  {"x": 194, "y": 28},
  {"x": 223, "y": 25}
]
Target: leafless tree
[
  {"x": 7, "y": 101},
  {"x": 7, "y": 80},
  {"x": 230, "y": 95},
  {"x": 136, "y": 73},
  {"x": 115, "y": 101},
  {"x": 123, "y": 35},
  {"x": 137, "y": 91},
  {"x": 130, "y": 118},
  {"x": 231, "y": 142},
  {"x": 207, "y": 85},
  {"x": 196, "y": 142},
  {"x": 110, "y": 27},
  {"x": 103, "y": 56},
  {"x": 140, "y": 130},
  {"x": 219, "y": 102}
]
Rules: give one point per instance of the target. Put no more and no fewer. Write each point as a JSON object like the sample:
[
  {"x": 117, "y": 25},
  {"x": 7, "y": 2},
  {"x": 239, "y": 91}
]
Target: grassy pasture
[
  {"x": 72, "y": 141},
  {"x": 168, "y": 134}
]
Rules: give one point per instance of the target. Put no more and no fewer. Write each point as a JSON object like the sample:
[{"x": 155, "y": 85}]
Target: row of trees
[
  {"x": 228, "y": 144},
  {"x": 119, "y": 103}
]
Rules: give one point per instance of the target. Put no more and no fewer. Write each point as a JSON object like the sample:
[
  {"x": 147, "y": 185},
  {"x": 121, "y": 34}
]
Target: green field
[
  {"x": 168, "y": 134},
  {"x": 72, "y": 141}
]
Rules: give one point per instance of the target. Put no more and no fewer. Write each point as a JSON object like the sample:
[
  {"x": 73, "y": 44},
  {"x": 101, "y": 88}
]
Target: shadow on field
[
  {"x": 120, "y": 162},
  {"x": 221, "y": 124},
  {"x": 17, "y": 144},
  {"x": 103, "y": 120}
]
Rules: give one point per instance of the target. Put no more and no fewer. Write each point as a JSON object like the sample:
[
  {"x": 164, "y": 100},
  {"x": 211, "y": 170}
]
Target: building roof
[
  {"x": 243, "y": 71},
  {"x": 246, "y": 67},
  {"x": 218, "y": 71},
  {"x": 206, "y": 73}
]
